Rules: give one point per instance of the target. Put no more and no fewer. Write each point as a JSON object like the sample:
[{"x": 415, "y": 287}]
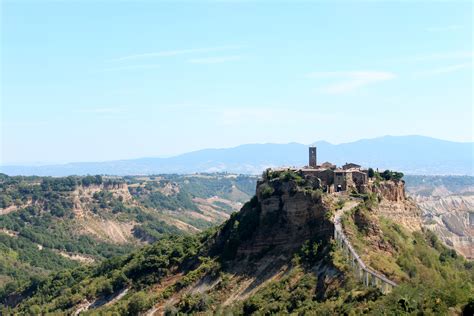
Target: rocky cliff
[
  {"x": 288, "y": 216},
  {"x": 451, "y": 218},
  {"x": 394, "y": 204},
  {"x": 447, "y": 207},
  {"x": 390, "y": 190},
  {"x": 282, "y": 216}
]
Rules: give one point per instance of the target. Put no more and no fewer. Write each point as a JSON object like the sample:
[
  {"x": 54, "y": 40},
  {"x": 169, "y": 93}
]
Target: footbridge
[{"x": 363, "y": 272}]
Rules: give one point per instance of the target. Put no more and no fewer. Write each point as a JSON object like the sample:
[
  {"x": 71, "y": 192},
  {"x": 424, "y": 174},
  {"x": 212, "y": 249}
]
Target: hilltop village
[{"x": 332, "y": 179}]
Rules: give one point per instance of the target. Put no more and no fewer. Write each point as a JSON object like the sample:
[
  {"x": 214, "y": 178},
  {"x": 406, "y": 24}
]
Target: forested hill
[
  {"x": 275, "y": 256},
  {"x": 48, "y": 224},
  {"x": 409, "y": 154}
]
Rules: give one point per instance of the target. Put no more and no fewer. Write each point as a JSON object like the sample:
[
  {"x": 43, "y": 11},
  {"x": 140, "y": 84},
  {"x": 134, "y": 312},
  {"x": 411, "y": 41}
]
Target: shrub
[
  {"x": 316, "y": 195},
  {"x": 192, "y": 303},
  {"x": 138, "y": 303},
  {"x": 267, "y": 190}
]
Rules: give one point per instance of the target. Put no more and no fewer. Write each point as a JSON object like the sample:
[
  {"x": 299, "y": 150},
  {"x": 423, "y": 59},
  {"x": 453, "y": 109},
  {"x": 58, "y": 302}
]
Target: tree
[
  {"x": 34, "y": 310},
  {"x": 397, "y": 175},
  {"x": 138, "y": 303},
  {"x": 387, "y": 175},
  {"x": 371, "y": 173}
]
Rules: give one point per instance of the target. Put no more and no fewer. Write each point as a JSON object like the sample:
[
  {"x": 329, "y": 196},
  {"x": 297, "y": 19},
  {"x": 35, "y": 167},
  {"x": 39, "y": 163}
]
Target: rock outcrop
[
  {"x": 393, "y": 191},
  {"x": 288, "y": 217},
  {"x": 394, "y": 204},
  {"x": 280, "y": 218}
]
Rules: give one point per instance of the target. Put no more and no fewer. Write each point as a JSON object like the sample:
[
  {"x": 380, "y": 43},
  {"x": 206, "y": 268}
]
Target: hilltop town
[{"x": 349, "y": 177}]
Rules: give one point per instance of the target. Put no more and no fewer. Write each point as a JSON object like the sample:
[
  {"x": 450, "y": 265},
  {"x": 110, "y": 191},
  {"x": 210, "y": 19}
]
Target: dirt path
[{"x": 348, "y": 205}]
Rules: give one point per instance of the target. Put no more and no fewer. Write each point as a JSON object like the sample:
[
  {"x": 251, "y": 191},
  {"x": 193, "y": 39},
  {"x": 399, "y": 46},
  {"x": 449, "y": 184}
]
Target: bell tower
[{"x": 312, "y": 157}]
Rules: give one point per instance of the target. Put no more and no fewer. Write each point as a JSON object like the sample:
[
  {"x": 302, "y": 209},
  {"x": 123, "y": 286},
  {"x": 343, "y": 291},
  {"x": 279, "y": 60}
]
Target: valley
[{"x": 48, "y": 224}]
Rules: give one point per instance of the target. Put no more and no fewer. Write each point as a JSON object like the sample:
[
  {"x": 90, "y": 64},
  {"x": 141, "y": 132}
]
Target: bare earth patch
[{"x": 108, "y": 230}]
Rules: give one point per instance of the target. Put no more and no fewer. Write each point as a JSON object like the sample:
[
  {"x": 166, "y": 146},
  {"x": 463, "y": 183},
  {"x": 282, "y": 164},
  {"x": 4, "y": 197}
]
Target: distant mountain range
[{"x": 410, "y": 154}]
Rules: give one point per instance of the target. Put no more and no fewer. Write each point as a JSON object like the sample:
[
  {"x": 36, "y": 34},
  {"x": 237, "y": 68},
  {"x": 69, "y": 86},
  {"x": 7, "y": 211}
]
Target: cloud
[
  {"x": 445, "y": 70},
  {"x": 214, "y": 60},
  {"x": 350, "y": 80},
  {"x": 170, "y": 53}
]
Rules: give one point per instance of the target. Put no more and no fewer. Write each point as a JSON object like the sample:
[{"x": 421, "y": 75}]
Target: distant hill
[{"x": 410, "y": 154}]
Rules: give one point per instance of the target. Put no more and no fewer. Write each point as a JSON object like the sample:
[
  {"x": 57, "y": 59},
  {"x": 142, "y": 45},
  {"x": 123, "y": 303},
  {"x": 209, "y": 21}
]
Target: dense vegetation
[
  {"x": 138, "y": 270},
  {"x": 44, "y": 215},
  {"x": 386, "y": 175},
  {"x": 237, "y": 188}
]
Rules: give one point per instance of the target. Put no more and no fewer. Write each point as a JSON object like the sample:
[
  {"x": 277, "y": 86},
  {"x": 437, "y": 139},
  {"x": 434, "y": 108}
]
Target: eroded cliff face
[
  {"x": 451, "y": 217},
  {"x": 390, "y": 190},
  {"x": 394, "y": 204},
  {"x": 279, "y": 219},
  {"x": 288, "y": 217},
  {"x": 449, "y": 214}
]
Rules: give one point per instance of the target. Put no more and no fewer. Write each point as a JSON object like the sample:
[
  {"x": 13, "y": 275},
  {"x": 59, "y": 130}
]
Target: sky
[{"x": 109, "y": 80}]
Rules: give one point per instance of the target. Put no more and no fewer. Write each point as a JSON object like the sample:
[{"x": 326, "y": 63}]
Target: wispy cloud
[
  {"x": 169, "y": 53},
  {"x": 446, "y": 28},
  {"x": 214, "y": 60},
  {"x": 445, "y": 70},
  {"x": 348, "y": 81}
]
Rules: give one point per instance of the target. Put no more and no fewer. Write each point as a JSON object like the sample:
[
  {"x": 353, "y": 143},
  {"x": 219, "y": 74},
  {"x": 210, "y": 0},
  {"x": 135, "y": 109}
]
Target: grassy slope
[{"x": 433, "y": 278}]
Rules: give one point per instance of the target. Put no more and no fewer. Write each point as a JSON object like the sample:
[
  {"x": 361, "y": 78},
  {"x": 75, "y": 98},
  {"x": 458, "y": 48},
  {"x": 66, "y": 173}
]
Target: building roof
[{"x": 351, "y": 164}]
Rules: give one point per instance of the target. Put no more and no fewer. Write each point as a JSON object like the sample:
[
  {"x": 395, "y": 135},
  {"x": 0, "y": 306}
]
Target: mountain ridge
[{"x": 411, "y": 154}]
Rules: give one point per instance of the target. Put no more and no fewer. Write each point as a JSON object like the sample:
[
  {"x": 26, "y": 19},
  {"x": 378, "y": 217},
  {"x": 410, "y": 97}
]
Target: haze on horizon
[{"x": 92, "y": 81}]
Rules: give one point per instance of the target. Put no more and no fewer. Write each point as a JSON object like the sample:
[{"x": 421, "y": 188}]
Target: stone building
[
  {"x": 313, "y": 162},
  {"x": 330, "y": 178},
  {"x": 325, "y": 175},
  {"x": 351, "y": 166},
  {"x": 343, "y": 180},
  {"x": 360, "y": 179},
  {"x": 328, "y": 165}
]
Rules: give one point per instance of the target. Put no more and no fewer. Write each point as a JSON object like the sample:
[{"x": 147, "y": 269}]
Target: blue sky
[{"x": 103, "y": 80}]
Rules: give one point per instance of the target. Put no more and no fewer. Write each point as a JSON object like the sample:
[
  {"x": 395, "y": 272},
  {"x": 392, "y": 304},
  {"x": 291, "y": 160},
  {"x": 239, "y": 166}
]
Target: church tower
[{"x": 312, "y": 157}]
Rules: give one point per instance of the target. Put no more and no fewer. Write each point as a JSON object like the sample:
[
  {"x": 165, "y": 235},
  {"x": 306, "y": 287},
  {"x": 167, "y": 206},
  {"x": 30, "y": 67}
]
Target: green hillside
[
  {"x": 50, "y": 224},
  {"x": 244, "y": 267}
]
